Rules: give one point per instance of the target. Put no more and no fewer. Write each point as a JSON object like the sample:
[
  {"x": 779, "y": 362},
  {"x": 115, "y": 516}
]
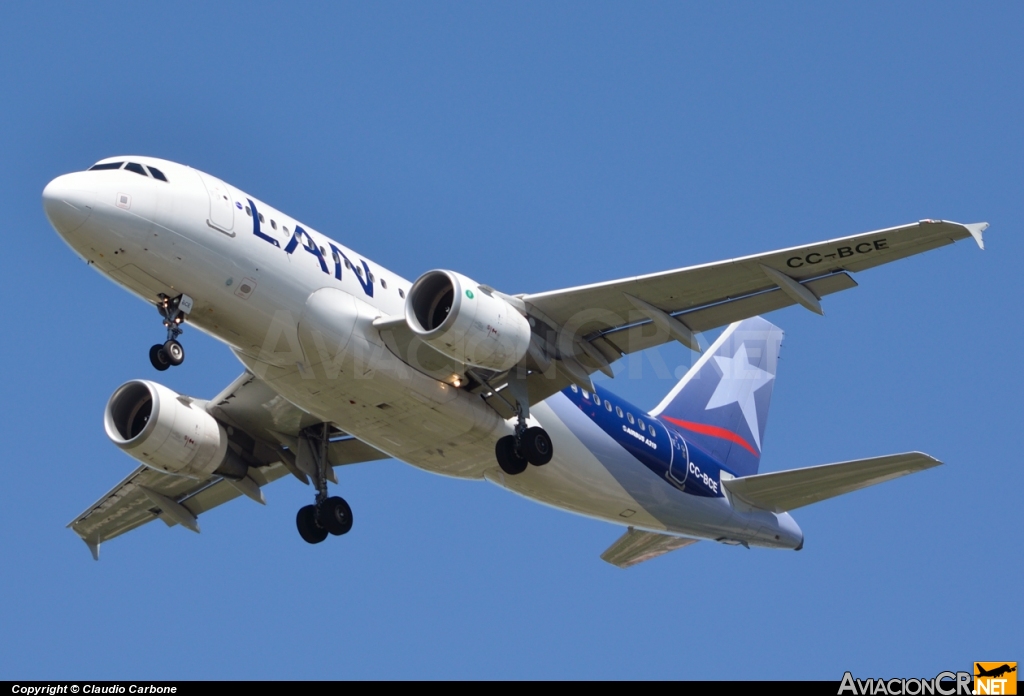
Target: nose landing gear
[
  {"x": 174, "y": 311},
  {"x": 328, "y": 515}
]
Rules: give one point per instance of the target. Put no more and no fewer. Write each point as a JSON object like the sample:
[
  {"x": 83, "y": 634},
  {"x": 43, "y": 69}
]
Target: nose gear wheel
[{"x": 171, "y": 353}]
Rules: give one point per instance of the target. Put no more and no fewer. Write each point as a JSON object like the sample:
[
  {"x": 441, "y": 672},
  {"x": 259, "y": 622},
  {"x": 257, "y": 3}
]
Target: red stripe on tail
[{"x": 713, "y": 431}]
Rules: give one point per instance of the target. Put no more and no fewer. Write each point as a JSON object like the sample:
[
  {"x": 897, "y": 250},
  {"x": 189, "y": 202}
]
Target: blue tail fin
[{"x": 721, "y": 405}]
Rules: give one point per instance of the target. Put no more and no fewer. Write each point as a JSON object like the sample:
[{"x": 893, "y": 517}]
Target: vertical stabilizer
[{"x": 721, "y": 405}]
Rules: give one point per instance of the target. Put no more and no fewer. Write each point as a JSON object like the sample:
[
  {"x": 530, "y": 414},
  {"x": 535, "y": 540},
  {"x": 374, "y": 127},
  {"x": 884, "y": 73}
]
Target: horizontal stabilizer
[
  {"x": 781, "y": 491},
  {"x": 636, "y": 547}
]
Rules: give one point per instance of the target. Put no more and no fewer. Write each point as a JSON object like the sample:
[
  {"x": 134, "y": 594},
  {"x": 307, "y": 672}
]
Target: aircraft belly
[
  {"x": 408, "y": 415},
  {"x": 574, "y": 480}
]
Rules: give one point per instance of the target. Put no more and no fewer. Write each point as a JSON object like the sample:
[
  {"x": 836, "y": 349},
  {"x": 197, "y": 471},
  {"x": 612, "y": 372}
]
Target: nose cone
[{"x": 68, "y": 201}]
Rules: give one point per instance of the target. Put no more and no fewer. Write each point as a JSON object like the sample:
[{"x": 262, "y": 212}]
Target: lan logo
[{"x": 995, "y": 678}]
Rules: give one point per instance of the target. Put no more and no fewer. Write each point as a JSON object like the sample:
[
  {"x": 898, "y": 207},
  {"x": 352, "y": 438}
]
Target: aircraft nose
[{"x": 68, "y": 202}]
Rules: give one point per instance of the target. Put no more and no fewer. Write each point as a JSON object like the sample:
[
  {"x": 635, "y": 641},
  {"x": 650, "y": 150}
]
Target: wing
[
  {"x": 711, "y": 295},
  {"x": 583, "y": 329},
  {"x": 263, "y": 428}
]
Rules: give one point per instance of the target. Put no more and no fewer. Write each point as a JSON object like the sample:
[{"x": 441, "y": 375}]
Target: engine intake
[
  {"x": 454, "y": 315},
  {"x": 152, "y": 424}
]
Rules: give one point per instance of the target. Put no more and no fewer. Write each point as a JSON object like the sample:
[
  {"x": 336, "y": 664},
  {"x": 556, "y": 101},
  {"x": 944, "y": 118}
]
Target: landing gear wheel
[
  {"x": 537, "y": 446},
  {"x": 158, "y": 357},
  {"x": 175, "y": 353},
  {"x": 309, "y": 530},
  {"x": 509, "y": 459},
  {"x": 336, "y": 516}
]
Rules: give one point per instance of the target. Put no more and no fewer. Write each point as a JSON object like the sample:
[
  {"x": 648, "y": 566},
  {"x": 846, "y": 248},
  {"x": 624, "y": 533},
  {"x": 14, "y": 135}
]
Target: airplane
[
  {"x": 996, "y": 671},
  {"x": 345, "y": 361}
]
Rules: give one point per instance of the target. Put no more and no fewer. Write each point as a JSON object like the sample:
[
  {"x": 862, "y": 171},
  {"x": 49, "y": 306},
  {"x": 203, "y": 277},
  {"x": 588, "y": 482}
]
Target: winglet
[
  {"x": 976, "y": 228},
  {"x": 94, "y": 548}
]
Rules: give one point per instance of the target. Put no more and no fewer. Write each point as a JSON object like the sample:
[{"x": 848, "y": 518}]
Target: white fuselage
[{"x": 268, "y": 291}]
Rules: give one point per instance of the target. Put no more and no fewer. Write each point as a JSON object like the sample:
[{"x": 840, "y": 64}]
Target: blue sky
[{"x": 533, "y": 146}]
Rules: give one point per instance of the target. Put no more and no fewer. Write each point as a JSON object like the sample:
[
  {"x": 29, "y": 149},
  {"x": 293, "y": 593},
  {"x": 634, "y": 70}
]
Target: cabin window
[
  {"x": 597, "y": 400},
  {"x": 643, "y": 428},
  {"x": 273, "y": 224},
  {"x": 247, "y": 211},
  {"x": 608, "y": 406},
  {"x": 401, "y": 293},
  {"x": 629, "y": 417},
  {"x": 262, "y": 219},
  {"x": 384, "y": 283},
  {"x": 618, "y": 411},
  {"x": 575, "y": 389}
]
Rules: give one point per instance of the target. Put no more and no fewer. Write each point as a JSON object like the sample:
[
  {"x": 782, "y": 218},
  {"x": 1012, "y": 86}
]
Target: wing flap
[
  {"x": 636, "y": 546},
  {"x": 781, "y": 491}
]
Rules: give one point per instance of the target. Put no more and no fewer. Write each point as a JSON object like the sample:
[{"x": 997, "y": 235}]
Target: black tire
[
  {"x": 510, "y": 461},
  {"x": 309, "y": 530},
  {"x": 175, "y": 353},
  {"x": 537, "y": 446},
  {"x": 336, "y": 516},
  {"x": 159, "y": 358}
]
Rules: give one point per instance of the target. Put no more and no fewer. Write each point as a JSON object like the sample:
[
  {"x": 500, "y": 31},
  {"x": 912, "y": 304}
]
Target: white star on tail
[{"x": 739, "y": 381}]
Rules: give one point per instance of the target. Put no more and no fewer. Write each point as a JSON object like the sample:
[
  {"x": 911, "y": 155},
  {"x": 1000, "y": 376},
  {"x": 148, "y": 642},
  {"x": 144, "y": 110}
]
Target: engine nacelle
[
  {"x": 454, "y": 315},
  {"x": 151, "y": 423}
]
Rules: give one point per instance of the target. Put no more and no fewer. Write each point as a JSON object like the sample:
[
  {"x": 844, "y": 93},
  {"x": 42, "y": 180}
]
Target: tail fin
[{"x": 721, "y": 404}]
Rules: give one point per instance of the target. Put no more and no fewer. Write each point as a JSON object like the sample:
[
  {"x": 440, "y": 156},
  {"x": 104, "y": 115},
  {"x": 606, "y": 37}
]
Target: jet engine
[
  {"x": 466, "y": 322},
  {"x": 169, "y": 432}
]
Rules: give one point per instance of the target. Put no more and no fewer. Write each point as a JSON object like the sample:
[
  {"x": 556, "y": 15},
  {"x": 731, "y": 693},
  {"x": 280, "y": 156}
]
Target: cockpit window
[
  {"x": 137, "y": 168},
  {"x": 157, "y": 174},
  {"x": 106, "y": 165}
]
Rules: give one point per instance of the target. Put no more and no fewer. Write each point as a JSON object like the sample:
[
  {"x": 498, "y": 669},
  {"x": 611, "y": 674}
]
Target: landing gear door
[
  {"x": 680, "y": 466},
  {"x": 222, "y": 210}
]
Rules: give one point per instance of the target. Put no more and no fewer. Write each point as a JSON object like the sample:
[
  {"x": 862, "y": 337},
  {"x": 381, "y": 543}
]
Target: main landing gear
[
  {"x": 328, "y": 515},
  {"x": 174, "y": 311},
  {"x": 527, "y": 446}
]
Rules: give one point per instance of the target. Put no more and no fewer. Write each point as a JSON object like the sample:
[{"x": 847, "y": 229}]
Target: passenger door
[{"x": 222, "y": 209}]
